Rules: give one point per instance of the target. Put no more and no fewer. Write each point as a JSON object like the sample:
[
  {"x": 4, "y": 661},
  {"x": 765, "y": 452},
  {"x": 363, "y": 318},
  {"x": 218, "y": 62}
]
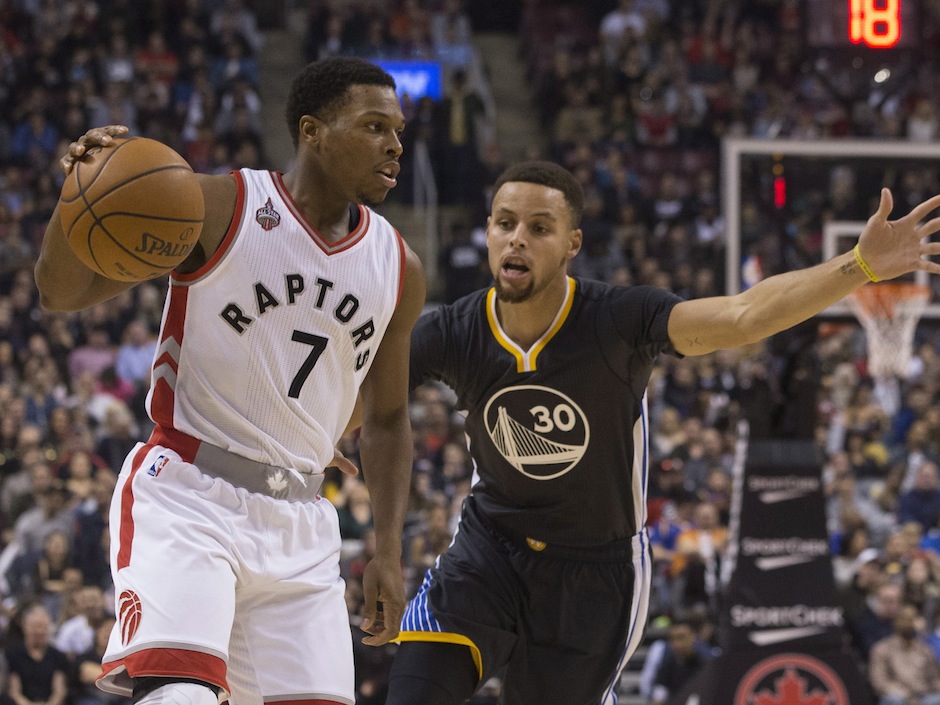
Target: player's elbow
[
  {"x": 53, "y": 296},
  {"x": 49, "y": 298}
]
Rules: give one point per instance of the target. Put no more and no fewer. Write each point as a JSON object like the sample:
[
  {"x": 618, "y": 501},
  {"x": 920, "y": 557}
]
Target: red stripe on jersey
[
  {"x": 401, "y": 273},
  {"x": 226, "y": 241},
  {"x": 318, "y": 701},
  {"x": 182, "y": 443},
  {"x": 126, "y": 531},
  {"x": 330, "y": 248},
  {"x": 163, "y": 397},
  {"x": 174, "y": 663},
  {"x": 168, "y": 359}
]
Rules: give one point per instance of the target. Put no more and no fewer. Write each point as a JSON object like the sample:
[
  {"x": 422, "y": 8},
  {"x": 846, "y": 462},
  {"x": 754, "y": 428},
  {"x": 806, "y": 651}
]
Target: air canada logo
[
  {"x": 791, "y": 679},
  {"x": 267, "y": 217},
  {"x": 541, "y": 432}
]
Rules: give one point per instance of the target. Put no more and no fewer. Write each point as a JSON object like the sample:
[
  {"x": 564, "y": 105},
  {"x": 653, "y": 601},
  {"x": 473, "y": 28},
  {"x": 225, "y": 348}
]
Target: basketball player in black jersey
[{"x": 547, "y": 581}]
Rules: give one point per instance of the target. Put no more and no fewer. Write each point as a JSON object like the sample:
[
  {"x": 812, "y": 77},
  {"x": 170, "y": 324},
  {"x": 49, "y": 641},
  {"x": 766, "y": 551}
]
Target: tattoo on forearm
[
  {"x": 848, "y": 268},
  {"x": 693, "y": 342}
]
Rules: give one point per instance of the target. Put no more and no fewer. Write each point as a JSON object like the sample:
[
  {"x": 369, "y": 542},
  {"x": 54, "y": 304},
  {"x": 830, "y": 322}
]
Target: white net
[{"x": 889, "y": 313}]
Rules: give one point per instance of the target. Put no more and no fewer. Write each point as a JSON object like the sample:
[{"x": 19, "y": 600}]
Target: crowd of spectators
[
  {"x": 634, "y": 97},
  {"x": 72, "y": 386}
]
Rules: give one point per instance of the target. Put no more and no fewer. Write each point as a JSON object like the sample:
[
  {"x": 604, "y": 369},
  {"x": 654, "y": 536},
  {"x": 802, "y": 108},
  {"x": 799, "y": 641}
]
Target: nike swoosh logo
[
  {"x": 776, "y": 636},
  {"x": 781, "y": 562},
  {"x": 780, "y": 496}
]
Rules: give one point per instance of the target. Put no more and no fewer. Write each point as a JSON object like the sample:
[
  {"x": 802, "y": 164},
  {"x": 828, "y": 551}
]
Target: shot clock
[{"x": 862, "y": 24}]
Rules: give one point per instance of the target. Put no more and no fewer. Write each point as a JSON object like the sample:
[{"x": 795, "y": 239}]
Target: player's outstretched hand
[
  {"x": 383, "y": 600},
  {"x": 893, "y": 247},
  {"x": 95, "y": 137}
]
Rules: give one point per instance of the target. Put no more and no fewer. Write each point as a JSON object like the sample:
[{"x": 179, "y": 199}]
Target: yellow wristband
[{"x": 864, "y": 265}]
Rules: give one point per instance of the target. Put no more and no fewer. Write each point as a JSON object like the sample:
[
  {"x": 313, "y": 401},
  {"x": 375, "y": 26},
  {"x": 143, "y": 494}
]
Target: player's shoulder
[
  {"x": 472, "y": 304},
  {"x": 597, "y": 291},
  {"x": 377, "y": 220},
  {"x": 220, "y": 193},
  {"x": 458, "y": 314}
]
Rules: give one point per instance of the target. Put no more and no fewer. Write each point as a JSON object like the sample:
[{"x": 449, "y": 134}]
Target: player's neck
[
  {"x": 527, "y": 321},
  {"x": 327, "y": 213}
]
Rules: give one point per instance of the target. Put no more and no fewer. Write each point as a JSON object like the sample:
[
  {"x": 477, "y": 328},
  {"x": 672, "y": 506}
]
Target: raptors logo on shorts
[{"x": 129, "y": 613}]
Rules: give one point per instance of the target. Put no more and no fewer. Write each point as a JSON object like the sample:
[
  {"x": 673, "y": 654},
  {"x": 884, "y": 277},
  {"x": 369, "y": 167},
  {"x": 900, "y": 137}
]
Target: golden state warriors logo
[{"x": 541, "y": 432}]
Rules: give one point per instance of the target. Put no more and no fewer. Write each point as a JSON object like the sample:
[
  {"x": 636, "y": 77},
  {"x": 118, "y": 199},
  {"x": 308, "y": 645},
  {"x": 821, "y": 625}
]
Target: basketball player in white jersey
[{"x": 297, "y": 297}]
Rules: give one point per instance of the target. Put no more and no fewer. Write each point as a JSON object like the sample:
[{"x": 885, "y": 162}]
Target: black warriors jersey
[{"x": 558, "y": 432}]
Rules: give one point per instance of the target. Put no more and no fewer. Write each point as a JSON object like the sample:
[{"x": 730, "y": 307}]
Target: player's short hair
[
  {"x": 547, "y": 174},
  {"x": 322, "y": 88}
]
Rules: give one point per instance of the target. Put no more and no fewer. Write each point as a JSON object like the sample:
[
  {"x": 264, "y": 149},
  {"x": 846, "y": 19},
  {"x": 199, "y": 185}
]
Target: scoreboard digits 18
[{"x": 862, "y": 24}]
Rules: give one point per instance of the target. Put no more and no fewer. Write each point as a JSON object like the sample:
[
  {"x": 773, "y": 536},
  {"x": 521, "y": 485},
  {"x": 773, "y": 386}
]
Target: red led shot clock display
[
  {"x": 884, "y": 25},
  {"x": 875, "y": 23}
]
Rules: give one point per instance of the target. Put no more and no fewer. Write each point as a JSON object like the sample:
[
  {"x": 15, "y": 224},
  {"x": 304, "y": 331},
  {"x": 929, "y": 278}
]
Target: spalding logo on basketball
[
  {"x": 541, "y": 432},
  {"x": 132, "y": 211},
  {"x": 129, "y": 614},
  {"x": 791, "y": 679}
]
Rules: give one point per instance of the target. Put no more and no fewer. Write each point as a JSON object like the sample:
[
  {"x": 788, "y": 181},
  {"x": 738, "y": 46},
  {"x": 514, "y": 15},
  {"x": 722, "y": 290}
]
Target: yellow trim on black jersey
[
  {"x": 525, "y": 359},
  {"x": 445, "y": 638}
]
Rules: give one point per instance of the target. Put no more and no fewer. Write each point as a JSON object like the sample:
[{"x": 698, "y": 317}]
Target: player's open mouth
[
  {"x": 389, "y": 175},
  {"x": 514, "y": 270}
]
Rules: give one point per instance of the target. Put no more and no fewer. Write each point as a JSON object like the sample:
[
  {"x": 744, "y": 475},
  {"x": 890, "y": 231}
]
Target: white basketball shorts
[{"x": 220, "y": 584}]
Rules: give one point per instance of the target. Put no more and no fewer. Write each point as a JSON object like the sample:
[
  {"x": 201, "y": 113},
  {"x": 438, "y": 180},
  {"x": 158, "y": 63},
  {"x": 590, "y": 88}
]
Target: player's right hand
[{"x": 95, "y": 137}]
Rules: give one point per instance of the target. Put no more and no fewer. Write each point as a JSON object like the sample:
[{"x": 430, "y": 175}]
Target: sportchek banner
[
  {"x": 781, "y": 625},
  {"x": 775, "y": 677}
]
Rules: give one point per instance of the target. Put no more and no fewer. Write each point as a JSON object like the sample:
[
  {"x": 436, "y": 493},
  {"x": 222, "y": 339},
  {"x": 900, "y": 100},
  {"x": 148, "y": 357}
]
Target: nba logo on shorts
[{"x": 158, "y": 465}]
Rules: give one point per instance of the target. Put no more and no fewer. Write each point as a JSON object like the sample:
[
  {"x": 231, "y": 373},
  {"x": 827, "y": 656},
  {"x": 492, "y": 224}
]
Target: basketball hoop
[{"x": 889, "y": 313}]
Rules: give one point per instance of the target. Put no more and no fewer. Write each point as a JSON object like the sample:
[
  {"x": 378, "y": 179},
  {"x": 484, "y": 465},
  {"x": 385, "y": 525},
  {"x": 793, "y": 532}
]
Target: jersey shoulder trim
[
  {"x": 227, "y": 241},
  {"x": 402, "y": 265}
]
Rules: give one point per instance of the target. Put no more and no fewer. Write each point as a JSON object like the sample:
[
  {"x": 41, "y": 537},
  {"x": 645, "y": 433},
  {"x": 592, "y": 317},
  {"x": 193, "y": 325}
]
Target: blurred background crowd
[{"x": 634, "y": 96}]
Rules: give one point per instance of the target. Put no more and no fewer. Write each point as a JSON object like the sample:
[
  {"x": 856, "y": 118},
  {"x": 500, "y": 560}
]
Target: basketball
[{"x": 132, "y": 211}]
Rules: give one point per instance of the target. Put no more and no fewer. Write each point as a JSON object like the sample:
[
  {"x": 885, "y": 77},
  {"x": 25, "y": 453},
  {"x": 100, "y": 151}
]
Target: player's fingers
[
  {"x": 103, "y": 136},
  {"x": 928, "y": 266},
  {"x": 369, "y": 612},
  {"x": 929, "y": 228},
  {"x": 378, "y": 639},
  {"x": 921, "y": 210},
  {"x": 931, "y": 249},
  {"x": 393, "y": 614},
  {"x": 66, "y": 162},
  {"x": 380, "y": 632},
  {"x": 885, "y": 205},
  {"x": 344, "y": 464}
]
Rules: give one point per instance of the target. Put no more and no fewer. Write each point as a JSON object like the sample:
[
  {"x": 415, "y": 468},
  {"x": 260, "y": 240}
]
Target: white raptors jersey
[{"x": 262, "y": 350}]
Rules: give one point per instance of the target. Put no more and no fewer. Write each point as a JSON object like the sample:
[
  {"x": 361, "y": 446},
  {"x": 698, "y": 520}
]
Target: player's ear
[
  {"x": 310, "y": 129},
  {"x": 575, "y": 239}
]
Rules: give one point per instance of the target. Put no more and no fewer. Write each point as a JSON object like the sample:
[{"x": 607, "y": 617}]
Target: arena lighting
[{"x": 882, "y": 75}]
